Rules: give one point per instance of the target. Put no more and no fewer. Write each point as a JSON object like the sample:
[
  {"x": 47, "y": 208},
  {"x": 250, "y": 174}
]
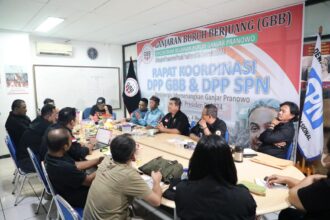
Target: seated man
[
  {"x": 67, "y": 176},
  {"x": 153, "y": 116},
  {"x": 67, "y": 120},
  {"x": 276, "y": 139},
  {"x": 209, "y": 124},
  {"x": 140, "y": 112},
  {"x": 101, "y": 109},
  {"x": 117, "y": 183},
  {"x": 309, "y": 196},
  {"x": 175, "y": 122},
  {"x": 32, "y": 138},
  {"x": 17, "y": 121}
]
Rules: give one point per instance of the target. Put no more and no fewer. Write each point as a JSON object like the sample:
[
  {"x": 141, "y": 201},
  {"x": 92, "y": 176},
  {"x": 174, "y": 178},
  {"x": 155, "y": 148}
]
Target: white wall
[
  {"x": 130, "y": 51},
  {"x": 14, "y": 50},
  {"x": 19, "y": 49},
  {"x": 108, "y": 55},
  {"x": 316, "y": 15}
]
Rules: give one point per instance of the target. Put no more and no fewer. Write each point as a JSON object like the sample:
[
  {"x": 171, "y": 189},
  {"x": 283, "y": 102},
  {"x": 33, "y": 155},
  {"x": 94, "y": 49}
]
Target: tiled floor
[{"x": 29, "y": 201}]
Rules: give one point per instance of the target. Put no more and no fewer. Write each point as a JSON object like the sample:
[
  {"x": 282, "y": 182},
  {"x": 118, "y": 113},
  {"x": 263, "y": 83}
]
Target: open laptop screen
[{"x": 103, "y": 136}]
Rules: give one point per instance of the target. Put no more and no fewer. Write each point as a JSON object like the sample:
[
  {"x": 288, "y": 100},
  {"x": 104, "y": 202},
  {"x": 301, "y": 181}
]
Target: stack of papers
[
  {"x": 148, "y": 180},
  {"x": 248, "y": 152},
  {"x": 263, "y": 183}
]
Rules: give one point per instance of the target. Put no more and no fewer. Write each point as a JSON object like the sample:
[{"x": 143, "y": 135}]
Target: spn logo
[{"x": 313, "y": 107}]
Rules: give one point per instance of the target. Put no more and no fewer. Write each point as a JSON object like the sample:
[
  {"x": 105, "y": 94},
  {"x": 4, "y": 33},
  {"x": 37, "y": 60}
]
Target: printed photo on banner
[
  {"x": 254, "y": 119},
  {"x": 16, "y": 79},
  {"x": 231, "y": 64},
  {"x": 308, "y": 57}
]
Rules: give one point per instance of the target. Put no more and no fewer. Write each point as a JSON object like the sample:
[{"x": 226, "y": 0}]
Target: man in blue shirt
[
  {"x": 154, "y": 115},
  {"x": 140, "y": 112}
]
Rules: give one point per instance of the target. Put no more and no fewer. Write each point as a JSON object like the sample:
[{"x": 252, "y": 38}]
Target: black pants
[
  {"x": 291, "y": 214},
  {"x": 26, "y": 165}
]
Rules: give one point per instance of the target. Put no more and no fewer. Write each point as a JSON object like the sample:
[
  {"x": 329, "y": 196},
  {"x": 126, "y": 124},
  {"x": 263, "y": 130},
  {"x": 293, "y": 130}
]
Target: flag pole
[
  {"x": 320, "y": 30},
  {"x": 307, "y": 167}
]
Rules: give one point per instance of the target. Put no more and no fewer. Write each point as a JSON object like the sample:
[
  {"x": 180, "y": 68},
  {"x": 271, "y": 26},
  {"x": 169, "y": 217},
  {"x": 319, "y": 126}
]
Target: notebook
[
  {"x": 254, "y": 188},
  {"x": 103, "y": 137},
  {"x": 272, "y": 161}
]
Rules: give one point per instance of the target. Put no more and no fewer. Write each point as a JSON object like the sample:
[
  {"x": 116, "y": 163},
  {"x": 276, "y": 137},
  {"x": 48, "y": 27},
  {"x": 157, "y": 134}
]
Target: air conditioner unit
[{"x": 54, "y": 49}]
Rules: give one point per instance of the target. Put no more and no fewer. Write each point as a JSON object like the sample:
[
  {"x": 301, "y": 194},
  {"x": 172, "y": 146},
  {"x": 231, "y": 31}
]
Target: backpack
[{"x": 168, "y": 168}]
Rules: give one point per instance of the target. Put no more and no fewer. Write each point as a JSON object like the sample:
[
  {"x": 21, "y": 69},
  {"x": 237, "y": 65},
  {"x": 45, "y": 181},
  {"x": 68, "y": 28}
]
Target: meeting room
[{"x": 165, "y": 109}]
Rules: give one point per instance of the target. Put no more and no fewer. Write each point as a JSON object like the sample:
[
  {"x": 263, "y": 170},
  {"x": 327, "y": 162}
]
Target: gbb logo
[
  {"x": 147, "y": 53},
  {"x": 131, "y": 87},
  {"x": 313, "y": 102}
]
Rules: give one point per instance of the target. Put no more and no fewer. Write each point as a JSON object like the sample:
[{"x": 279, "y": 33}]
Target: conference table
[{"x": 170, "y": 146}]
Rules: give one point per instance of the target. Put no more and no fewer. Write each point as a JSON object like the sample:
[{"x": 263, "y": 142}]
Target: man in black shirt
[
  {"x": 309, "y": 196},
  {"x": 209, "y": 124},
  {"x": 32, "y": 138},
  {"x": 17, "y": 121},
  {"x": 101, "y": 109},
  {"x": 67, "y": 120},
  {"x": 276, "y": 139},
  {"x": 175, "y": 122},
  {"x": 67, "y": 176}
]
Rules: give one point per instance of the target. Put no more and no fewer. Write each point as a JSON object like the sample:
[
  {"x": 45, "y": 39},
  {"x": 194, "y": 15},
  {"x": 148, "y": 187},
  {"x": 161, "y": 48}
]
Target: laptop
[{"x": 103, "y": 138}]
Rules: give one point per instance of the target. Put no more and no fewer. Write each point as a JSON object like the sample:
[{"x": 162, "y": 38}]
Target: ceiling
[{"x": 124, "y": 21}]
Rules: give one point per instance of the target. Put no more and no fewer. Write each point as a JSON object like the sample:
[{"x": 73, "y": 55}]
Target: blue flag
[{"x": 310, "y": 137}]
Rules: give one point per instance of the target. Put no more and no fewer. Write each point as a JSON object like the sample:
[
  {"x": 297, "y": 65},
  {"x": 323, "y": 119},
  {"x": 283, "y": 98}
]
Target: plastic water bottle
[{"x": 184, "y": 175}]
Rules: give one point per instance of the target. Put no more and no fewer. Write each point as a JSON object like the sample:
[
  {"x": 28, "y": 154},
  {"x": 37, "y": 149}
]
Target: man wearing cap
[{"x": 101, "y": 109}]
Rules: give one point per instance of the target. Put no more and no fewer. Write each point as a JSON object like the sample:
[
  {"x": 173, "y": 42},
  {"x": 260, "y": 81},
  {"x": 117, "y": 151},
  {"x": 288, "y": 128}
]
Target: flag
[
  {"x": 131, "y": 93},
  {"x": 310, "y": 136}
]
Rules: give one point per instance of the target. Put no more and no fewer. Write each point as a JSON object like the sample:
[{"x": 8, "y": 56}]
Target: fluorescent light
[{"x": 49, "y": 24}]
